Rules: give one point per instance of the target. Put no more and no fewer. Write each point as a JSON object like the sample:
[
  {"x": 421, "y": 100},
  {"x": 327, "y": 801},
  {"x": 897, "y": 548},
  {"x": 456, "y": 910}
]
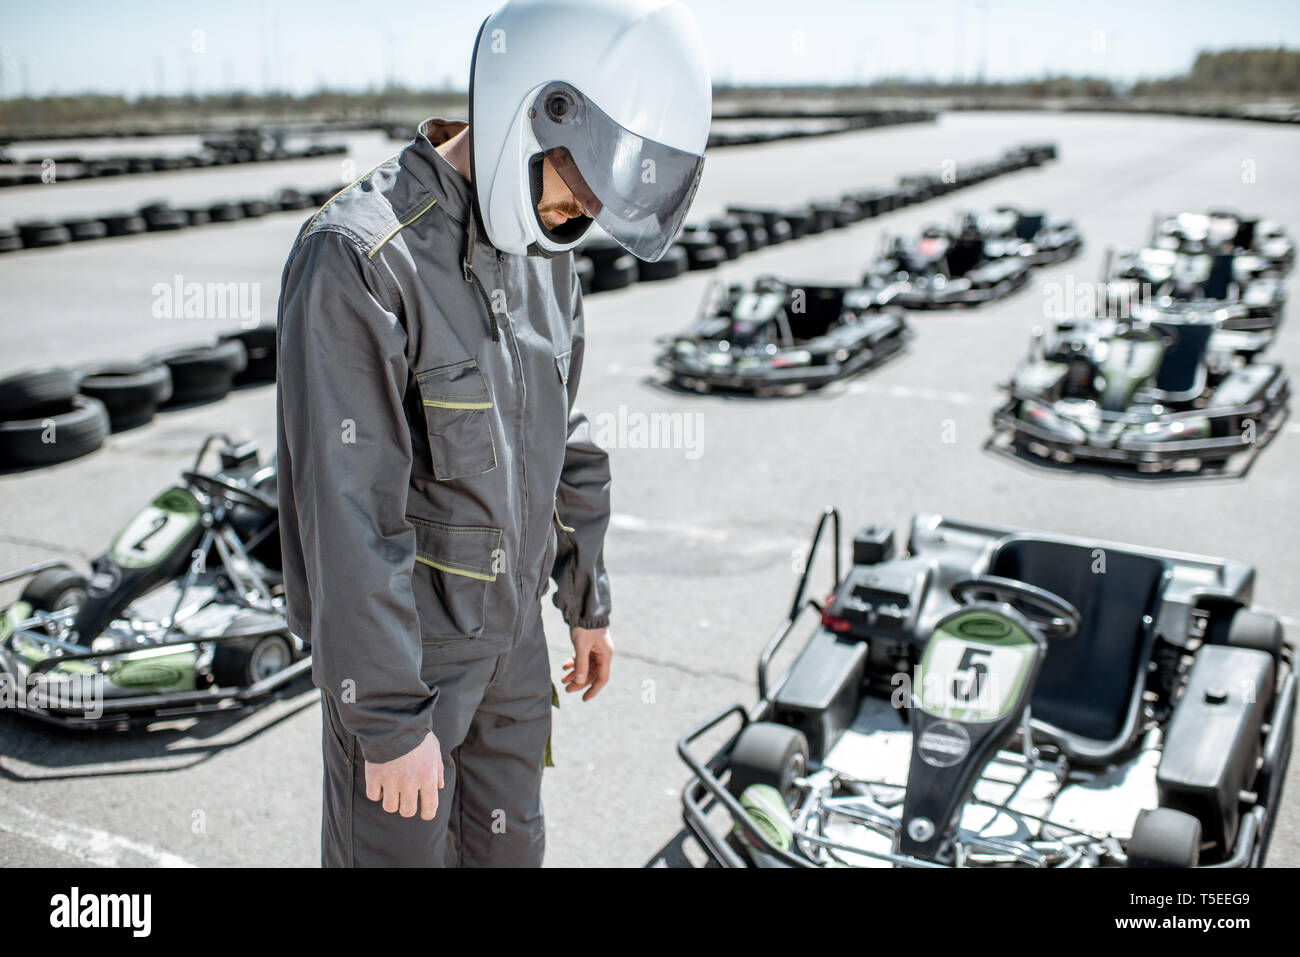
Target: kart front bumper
[{"x": 1157, "y": 454}]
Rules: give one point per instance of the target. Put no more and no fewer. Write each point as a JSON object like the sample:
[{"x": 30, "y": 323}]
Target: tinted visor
[{"x": 639, "y": 191}]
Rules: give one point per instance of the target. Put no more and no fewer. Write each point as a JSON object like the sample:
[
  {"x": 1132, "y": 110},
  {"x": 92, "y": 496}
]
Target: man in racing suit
[{"x": 433, "y": 470}]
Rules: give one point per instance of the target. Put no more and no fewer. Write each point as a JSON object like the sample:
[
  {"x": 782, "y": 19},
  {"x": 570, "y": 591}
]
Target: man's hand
[
  {"x": 589, "y": 667},
  {"x": 413, "y": 779}
]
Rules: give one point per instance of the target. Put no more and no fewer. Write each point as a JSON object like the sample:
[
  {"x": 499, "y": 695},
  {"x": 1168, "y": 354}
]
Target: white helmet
[{"x": 616, "y": 93}]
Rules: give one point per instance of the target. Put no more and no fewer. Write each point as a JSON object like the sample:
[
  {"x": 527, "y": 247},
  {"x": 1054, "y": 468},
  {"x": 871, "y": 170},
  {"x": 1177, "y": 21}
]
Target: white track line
[
  {"x": 910, "y": 392},
  {"x": 86, "y": 843}
]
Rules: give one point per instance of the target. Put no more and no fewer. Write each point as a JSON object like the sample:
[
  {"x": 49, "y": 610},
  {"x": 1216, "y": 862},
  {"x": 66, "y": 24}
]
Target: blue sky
[{"x": 143, "y": 46}]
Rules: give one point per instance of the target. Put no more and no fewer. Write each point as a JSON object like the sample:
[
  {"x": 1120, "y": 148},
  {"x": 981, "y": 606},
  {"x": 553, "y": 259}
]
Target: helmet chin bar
[{"x": 567, "y": 234}]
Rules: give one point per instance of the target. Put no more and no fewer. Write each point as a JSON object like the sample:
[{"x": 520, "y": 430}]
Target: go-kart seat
[
  {"x": 1220, "y": 277},
  {"x": 1029, "y": 225},
  {"x": 1088, "y": 700},
  {"x": 1181, "y": 376},
  {"x": 964, "y": 254}
]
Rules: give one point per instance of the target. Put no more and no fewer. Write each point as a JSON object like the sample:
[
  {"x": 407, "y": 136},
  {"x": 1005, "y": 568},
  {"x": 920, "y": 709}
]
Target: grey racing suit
[{"x": 433, "y": 472}]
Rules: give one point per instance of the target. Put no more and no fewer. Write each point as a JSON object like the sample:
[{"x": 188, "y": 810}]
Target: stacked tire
[
  {"x": 259, "y": 347},
  {"x": 43, "y": 419},
  {"x": 203, "y": 373},
  {"x": 613, "y": 266},
  {"x": 132, "y": 392}
]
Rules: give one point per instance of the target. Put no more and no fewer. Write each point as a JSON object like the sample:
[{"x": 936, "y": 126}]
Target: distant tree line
[
  {"x": 1233, "y": 72},
  {"x": 1225, "y": 73}
]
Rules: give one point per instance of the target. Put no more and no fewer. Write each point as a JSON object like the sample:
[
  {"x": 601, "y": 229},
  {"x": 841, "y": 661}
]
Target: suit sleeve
[
  {"x": 582, "y": 503},
  {"x": 344, "y": 440}
]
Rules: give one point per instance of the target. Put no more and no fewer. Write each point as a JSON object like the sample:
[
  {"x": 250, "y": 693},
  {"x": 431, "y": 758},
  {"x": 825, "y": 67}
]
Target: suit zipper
[
  {"x": 472, "y": 277},
  {"x": 512, "y": 345}
]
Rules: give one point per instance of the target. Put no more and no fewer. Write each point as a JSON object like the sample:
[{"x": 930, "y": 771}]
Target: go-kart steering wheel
[
  {"x": 1051, "y": 613},
  {"x": 220, "y": 488}
]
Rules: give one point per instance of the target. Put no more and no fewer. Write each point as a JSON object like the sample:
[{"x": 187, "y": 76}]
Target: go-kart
[
  {"x": 1238, "y": 288},
  {"x": 993, "y": 696},
  {"x": 1228, "y": 230},
  {"x": 183, "y": 614},
  {"x": 1042, "y": 239},
  {"x": 774, "y": 336},
  {"x": 945, "y": 268},
  {"x": 1170, "y": 391}
]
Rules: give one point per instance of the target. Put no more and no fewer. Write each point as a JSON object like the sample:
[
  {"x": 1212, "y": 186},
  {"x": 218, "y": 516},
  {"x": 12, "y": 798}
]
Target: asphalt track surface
[{"x": 705, "y": 536}]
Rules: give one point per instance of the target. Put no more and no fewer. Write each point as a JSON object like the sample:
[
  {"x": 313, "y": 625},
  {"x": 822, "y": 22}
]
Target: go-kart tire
[
  {"x": 771, "y": 754},
  {"x": 1163, "y": 837},
  {"x": 242, "y": 662},
  {"x": 131, "y": 391},
  {"x": 768, "y": 810},
  {"x": 79, "y": 427},
  {"x": 259, "y": 344},
  {"x": 617, "y": 273},
  {"x": 586, "y": 271},
  {"x": 35, "y": 389},
  {"x": 1253, "y": 629},
  {"x": 673, "y": 264},
  {"x": 254, "y": 208},
  {"x": 54, "y": 588},
  {"x": 204, "y": 373}
]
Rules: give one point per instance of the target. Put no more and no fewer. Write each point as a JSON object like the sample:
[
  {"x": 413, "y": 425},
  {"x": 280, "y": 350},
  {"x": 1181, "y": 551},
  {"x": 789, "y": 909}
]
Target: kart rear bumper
[
  {"x": 920, "y": 300},
  {"x": 697, "y": 375}
]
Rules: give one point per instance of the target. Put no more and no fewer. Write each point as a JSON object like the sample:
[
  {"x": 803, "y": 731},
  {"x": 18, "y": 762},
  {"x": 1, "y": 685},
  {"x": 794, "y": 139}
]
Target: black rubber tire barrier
[
  {"x": 79, "y": 427},
  {"x": 165, "y": 219},
  {"x": 779, "y": 232},
  {"x": 83, "y": 229},
  {"x": 226, "y": 212},
  {"x": 124, "y": 224},
  {"x": 203, "y": 373},
  {"x": 706, "y": 257},
  {"x": 255, "y": 207},
  {"x": 198, "y": 217},
  {"x": 618, "y": 273},
  {"x": 259, "y": 344},
  {"x": 130, "y": 391},
  {"x": 734, "y": 242},
  {"x": 674, "y": 262},
  {"x": 288, "y": 199},
  {"x": 35, "y": 389},
  {"x": 602, "y": 251},
  {"x": 38, "y": 233}
]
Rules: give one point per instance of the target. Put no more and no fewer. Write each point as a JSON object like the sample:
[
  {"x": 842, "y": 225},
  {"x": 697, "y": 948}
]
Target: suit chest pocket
[{"x": 457, "y": 407}]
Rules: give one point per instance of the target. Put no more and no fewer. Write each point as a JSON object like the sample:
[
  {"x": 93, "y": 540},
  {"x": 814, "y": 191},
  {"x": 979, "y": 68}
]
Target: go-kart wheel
[
  {"x": 766, "y": 809},
  {"x": 1163, "y": 837},
  {"x": 1055, "y": 616},
  {"x": 771, "y": 754},
  {"x": 239, "y": 663},
  {"x": 55, "y": 588}
]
